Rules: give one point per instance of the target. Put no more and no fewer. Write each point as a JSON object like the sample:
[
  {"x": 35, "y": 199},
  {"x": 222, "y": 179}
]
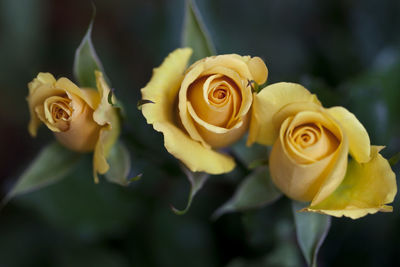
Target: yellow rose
[
  {"x": 81, "y": 118},
  {"x": 309, "y": 158},
  {"x": 202, "y": 108}
]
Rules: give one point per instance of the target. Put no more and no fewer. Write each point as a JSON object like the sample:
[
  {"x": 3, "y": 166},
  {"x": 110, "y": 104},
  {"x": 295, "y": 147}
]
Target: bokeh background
[{"x": 348, "y": 52}]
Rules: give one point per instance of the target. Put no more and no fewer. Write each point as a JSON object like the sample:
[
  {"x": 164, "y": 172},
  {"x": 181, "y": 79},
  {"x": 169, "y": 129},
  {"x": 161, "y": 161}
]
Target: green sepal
[
  {"x": 197, "y": 180},
  {"x": 256, "y": 190},
  {"x": 195, "y": 33},
  {"x": 86, "y": 60},
  {"x": 120, "y": 165},
  {"x": 311, "y": 230}
]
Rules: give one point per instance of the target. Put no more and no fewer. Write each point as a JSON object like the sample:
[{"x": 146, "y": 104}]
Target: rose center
[
  {"x": 58, "y": 112},
  {"x": 216, "y": 100},
  {"x": 61, "y": 110},
  {"x": 218, "y": 95},
  {"x": 307, "y": 135},
  {"x": 313, "y": 141}
]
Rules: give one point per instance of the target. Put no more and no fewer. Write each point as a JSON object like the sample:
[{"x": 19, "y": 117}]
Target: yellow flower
[
  {"x": 309, "y": 158},
  {"x": 81, "y": 118},
  {"x": 202, "y": 108}
]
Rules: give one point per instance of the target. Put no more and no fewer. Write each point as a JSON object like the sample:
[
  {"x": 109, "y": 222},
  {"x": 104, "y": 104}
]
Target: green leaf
[
  {"x": 52, "y": 164},
  {"x": 255, "y": 191},
  {"x": 120, "y": 165},
  {"x": 86, "y": 60},
  {"x": 311, "y": 230},
  {"x": 195, "y": 34},
  {"x": 197, "y": 180}
]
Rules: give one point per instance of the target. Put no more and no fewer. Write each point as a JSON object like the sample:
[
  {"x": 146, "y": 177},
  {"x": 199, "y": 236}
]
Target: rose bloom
[
  {"x": 309, "y": 158},
  {"x": 204, "y": 107},
  {"x": 81, "y": 118}
]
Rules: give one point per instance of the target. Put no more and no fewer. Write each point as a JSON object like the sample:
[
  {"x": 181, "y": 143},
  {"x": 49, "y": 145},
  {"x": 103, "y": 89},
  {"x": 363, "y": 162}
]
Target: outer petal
[
  {"x": 106, "y": 115},
  {"x": 186, "y": 120},
  {"x": 269, "y": 101},
  {"x": 103, "y": 145},
  {"x": 258, "y": 69},
  {"x": 359, "y": 143},
  {"x": 103, "y": 113},
  {"x": 163, "y": 87},
  {"x": 235, "y": 62},
  {"x": 336, "y": 172},
  {"x": 82, "y": 133},
  {"x": 107, "y": 137},
  {"x": 163, "y": 91},
  {"x": 41, "y": 78},
  {"x": 366, "y": 189},
  {"x": 194, "y": 155}
]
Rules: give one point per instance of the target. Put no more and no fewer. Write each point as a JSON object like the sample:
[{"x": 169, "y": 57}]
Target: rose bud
[{"x": 81, "y": 118}]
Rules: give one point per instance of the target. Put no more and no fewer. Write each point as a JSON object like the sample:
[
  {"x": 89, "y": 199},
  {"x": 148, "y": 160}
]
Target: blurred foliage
[{"x": 348, "y": 52}]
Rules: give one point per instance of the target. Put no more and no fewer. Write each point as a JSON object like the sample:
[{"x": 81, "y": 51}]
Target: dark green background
[{"x": 348, "y": 52}]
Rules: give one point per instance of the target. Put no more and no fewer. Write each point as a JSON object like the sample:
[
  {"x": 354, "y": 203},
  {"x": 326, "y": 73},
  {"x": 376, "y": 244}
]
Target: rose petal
[
  {"x": 217, "y": 136},
  {"x": 235, "y": 62},
  {"x": 163, "y": 87},
  {"x": 83, "y": 132},
  {"x": 194, "y": 155},
  {"x": 90, "y": 96},
  {"x": 163, "y": 90},
  {"x": 106, "y": 115},
  {"x": 104, "y": 111},
  {"x": 100, "y": 164},
  {"x": 267, "y": 103},
  {"x": 335, "y": 172},
  {"x": 185, "y": 118},
  {"x": 366, "y": 189},
  {"x": 41, "y": 78},
  {"x": 107, "y": 137},
  {"x": 205, "y": 125},
  {"x": 359, "y": 143},
  {"x": 258, "y": 69}
]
